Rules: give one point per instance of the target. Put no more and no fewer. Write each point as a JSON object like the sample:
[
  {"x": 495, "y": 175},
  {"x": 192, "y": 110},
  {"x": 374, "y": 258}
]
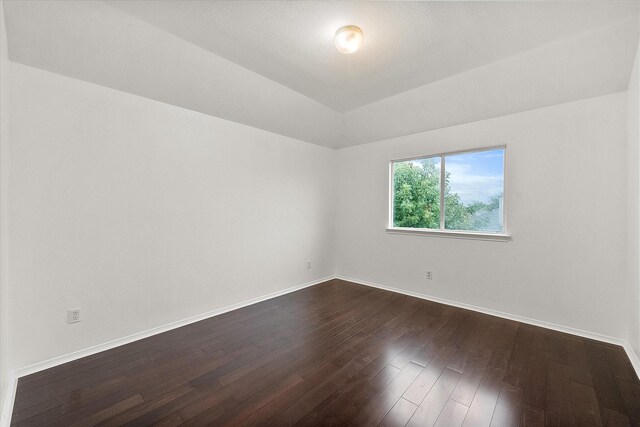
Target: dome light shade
[{"x": 349, "y": 39}]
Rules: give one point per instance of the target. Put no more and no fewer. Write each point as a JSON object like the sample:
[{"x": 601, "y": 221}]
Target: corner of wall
[
  {"x": 633, "y": 208},
  {"x": 7, "y": 382},
  {"x": 334, "y": 216}
]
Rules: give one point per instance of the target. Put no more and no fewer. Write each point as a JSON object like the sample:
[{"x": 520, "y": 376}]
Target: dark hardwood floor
[{"x": 342, "y": 354}]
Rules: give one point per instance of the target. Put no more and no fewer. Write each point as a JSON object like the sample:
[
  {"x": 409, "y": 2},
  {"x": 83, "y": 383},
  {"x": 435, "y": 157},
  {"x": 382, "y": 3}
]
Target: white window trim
[
  {"x": 472, "y": 235},
  {"x": 503, "y": 236}
]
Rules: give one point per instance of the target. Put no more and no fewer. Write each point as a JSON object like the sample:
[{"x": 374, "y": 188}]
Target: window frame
[{"x": 442, "y": 232}]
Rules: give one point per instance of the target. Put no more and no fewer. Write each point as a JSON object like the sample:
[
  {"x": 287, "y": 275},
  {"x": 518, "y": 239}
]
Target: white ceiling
[
  {"x": 272, "y": 65},
  {"x": 407, "y": 44}
]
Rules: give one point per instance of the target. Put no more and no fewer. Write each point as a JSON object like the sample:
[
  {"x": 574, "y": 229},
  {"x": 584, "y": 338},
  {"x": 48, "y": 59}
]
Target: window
[{"x": 453, "y": 193}]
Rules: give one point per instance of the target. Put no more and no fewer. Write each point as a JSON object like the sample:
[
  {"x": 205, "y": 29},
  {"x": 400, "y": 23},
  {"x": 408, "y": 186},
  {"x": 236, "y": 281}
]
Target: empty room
[{"x": 319, "y": 213}]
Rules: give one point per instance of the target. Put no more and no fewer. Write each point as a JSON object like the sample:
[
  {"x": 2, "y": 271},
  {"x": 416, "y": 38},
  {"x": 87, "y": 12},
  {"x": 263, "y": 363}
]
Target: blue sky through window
[{"x": 476, "y": 176}]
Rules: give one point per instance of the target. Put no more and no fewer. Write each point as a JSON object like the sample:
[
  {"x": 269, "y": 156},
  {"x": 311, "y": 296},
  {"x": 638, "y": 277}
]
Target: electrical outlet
[
  {"x": 308, "y": 264},
  {"x": 429, "y": 275},
  {"x": 73, "y": 315}
]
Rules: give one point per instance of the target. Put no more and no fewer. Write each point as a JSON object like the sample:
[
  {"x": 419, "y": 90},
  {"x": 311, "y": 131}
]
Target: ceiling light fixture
[{"x": 348, "y": 39}]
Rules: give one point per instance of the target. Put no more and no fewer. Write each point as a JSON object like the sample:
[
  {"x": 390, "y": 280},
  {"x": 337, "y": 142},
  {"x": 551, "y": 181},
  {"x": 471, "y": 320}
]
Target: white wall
[
  {"x": 633, "y": 213},
  {"x": 566, "y": 213},
  {"x": 5, "y": 362},
  {"x": 143, "y": 213}
]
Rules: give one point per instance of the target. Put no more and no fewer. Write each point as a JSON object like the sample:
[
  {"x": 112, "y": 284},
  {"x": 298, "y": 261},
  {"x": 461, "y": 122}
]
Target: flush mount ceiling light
[{"x": 348, "y": 39}]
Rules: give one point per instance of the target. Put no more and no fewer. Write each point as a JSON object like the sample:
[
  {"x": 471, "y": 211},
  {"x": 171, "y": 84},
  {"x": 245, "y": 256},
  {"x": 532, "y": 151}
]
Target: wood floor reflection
[{"x": 342, "y": 354}]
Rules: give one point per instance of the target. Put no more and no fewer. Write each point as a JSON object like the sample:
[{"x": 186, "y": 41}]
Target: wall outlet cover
[{"x": 73, "y": 315}]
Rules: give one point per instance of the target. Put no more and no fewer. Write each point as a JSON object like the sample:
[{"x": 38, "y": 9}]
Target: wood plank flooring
[{"x": 341, "y": 354}]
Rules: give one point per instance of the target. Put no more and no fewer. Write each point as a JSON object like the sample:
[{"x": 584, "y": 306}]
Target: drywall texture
[
  {"x": 566, "y": 213},
  {"x": 5, "y": 362},
  {"x": 142, "y": 213},
  {"x": 77, "y": 39},
  {"x": 466, "y": 67},
  {"x": 407, "y": 44},
  {"x": 633, "y": 213},
  {"x": 587, "y": 65}
]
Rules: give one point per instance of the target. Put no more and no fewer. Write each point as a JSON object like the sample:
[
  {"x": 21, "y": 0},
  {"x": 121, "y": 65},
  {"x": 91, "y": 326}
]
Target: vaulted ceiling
[{"x": 272, "y": 65}]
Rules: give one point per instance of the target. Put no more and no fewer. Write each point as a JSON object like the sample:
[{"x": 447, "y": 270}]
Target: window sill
[{"x": 496, "y": 237}]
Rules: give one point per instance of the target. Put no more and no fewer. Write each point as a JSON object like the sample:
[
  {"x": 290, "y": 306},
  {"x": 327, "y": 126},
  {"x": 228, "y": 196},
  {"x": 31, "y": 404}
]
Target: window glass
[
  {"x": 469, "y": 198},
  {"x": 416, "y": 189},
  {"x": 474, "y": 191}
]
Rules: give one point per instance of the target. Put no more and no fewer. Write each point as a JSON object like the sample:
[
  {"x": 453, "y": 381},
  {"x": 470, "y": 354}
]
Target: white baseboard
[
  {"x": 7, "y": 405},
  {"x": 633, "y": 357},
  {"x": 566, "y": 329},
  {"x": 59, "y": 360}
]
